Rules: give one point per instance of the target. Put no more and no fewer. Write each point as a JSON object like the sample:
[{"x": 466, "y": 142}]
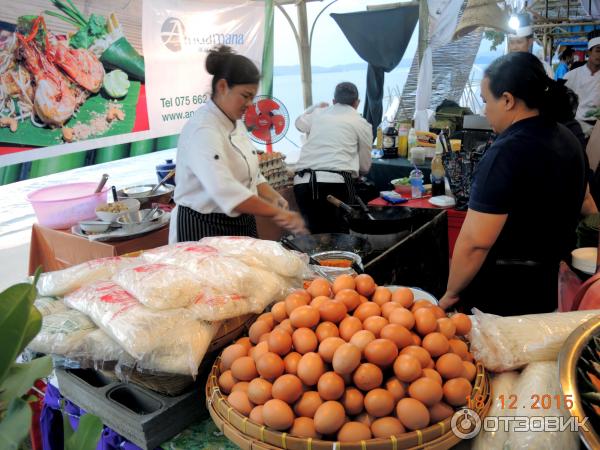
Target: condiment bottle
[
  {"x": 402, "y": 140},
  {"x": 438, "y": 174}
]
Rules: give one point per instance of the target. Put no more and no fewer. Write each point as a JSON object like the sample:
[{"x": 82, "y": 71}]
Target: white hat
[
  {"x": 593, "y": 42},
  {"x": 524, "y": 31}
]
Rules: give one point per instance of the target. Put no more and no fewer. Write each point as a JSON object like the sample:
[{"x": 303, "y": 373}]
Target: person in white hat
[
  {"x": 585, "y": 82},
  {"x": 522, "y": 41}
]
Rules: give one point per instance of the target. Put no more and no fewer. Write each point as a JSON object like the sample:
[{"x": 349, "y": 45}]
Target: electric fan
[{"x": 267, "y": 120}]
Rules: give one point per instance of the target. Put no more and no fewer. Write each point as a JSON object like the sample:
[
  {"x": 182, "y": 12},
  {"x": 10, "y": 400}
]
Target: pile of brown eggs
[{"x": 349, "y": 361}]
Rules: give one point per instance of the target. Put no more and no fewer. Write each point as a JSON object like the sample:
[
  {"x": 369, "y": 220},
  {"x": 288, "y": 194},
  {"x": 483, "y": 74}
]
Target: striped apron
[
  {"x": 193, "y": 226},
  {"x": 348, "y": 181}
]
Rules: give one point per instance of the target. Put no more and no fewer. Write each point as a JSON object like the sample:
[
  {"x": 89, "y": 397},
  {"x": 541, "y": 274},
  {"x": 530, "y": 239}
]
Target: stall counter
[{"x": 59, "y": 249}]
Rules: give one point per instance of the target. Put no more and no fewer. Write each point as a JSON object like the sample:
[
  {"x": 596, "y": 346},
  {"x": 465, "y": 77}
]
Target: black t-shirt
[{"x": 535, "y": 173}]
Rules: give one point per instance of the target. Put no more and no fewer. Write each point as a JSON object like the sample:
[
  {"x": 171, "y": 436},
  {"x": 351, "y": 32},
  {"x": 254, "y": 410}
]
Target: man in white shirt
[
  {"x": 585, "y": 82},
  {"x": 337, "y": 150},
  {"x": 522, "y": 41}
]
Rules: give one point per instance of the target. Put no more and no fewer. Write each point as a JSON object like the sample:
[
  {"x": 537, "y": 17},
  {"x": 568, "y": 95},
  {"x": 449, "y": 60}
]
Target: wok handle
[{"x": 340, "y": 204}]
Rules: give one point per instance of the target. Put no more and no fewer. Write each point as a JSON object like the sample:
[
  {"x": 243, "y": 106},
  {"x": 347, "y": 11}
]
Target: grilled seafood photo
[{"x": 54, "y": 88}]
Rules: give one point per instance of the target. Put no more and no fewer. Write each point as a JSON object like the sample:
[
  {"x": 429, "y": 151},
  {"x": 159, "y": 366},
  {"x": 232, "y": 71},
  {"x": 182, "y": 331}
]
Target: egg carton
[{"x": 141, "y": 416}]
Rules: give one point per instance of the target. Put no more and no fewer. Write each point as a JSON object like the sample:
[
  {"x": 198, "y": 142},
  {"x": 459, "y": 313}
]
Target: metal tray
[{"x": 117, "y": 234}]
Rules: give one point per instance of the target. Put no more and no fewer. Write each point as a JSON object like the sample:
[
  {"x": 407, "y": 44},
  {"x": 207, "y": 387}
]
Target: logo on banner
[{"x": 172, "y": 34}]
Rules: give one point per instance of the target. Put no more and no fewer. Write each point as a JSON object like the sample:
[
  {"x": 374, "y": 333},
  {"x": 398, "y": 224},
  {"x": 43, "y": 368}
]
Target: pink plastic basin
[{"x": 65, "y": 205}]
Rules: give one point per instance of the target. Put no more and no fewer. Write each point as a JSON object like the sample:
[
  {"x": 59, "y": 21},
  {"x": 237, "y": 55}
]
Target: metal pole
[
  {"x": 423, "y": 28},
  {"x": 305, "y": 65}
]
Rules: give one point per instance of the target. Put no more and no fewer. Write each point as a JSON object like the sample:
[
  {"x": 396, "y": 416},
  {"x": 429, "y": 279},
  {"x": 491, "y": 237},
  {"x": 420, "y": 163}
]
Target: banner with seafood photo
[{"x": 77, "y": 75}]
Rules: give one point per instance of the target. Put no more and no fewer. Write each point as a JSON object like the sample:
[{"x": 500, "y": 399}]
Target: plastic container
[
  {"x": 417, "y": 155},
  {"x": 65, "y": 205},
  {"x": 163, "y": 169}
]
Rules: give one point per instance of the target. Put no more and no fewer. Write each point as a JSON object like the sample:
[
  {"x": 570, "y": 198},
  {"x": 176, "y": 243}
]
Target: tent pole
[
  {"x": 423, "y": 28},
  {"x": 305, "y": 64}
]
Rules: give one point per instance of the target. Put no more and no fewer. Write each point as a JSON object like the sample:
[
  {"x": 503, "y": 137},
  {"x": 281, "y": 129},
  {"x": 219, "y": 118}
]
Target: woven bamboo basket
[{"x": 249, "y": 435}]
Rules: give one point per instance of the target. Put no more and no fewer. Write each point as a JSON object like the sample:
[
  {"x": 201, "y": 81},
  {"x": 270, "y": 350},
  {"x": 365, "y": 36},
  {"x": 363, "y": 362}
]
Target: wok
[
  {"x": 375, "y": 220},
  {"x": 386, "y": 220},
  {"x": 316, "y": 243}
]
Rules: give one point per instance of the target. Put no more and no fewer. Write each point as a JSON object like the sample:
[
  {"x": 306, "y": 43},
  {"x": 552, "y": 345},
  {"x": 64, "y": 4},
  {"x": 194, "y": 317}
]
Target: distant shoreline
[{"x": 295, "y": 70}]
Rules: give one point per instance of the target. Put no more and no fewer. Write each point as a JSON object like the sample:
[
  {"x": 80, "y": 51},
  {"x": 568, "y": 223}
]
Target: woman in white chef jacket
[{"x": 219, "y": 187}]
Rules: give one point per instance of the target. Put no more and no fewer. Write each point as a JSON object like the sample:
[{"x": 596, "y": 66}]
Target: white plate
[
  {"x": 120, "y": 234},
  {"x": 419, "y": 294}
]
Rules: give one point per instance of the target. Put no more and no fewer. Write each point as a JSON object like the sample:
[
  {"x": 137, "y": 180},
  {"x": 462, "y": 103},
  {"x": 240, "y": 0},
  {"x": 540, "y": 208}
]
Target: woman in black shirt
[{"x": 525, "y": 199}]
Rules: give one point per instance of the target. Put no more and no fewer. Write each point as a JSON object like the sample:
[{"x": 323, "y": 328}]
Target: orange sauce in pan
[{"x": 343, "y": 263}]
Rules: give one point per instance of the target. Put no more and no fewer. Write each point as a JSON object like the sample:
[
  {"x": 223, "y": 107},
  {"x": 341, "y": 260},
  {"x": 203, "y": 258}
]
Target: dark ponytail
[
  {"x": 523, "y": 75},
  {"x": 223, "y": 63}
]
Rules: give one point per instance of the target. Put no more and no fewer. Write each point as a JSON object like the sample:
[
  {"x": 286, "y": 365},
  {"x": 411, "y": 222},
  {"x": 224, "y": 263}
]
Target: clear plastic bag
[
  {"x": 64, "y": 281},
  {"x": 172, "y": 253},
  {"x": 540, "y": 379},
  {"x": 49, "y": 305},
  {"x": 264, "y": 254},
  {"x": 138, "y": 329},
  {"x": 160, "y": 286},
  {"x": 61, "y": 332},
  {"x": 503, "y": 384},
  {"x": 508, "y": 343},
  {"x": 226, "y": 275},
  {"x": 96, "y": 349}
]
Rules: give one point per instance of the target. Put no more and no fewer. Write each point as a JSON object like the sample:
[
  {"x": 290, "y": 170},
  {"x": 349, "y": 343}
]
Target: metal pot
[{"x": 162, "y": 195}]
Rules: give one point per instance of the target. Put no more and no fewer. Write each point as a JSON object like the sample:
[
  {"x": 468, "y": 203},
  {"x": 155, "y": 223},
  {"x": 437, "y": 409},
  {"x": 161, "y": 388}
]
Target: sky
[{"x": 330, "y": 47}]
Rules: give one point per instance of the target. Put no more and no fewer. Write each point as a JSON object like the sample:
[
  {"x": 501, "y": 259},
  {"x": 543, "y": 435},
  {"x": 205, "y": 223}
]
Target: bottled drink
[
  {"x": 412, "y": 139},
  {"x": 403, "y": 140},
  {"x": 390, "y": 147},
  {"x": 437, "y": 175},
  {"x": 416, "y": 183}
]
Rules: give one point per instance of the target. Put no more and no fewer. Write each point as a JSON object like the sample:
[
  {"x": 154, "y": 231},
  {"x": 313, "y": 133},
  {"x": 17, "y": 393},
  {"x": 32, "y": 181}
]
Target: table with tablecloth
[
  {"x": 455, "y": 217},
  {"x": 384, "y": 170}
]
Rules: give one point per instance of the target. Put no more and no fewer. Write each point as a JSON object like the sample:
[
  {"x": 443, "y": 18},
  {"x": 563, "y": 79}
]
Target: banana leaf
[
  {"x": 28, "y": 134},
  {"x": 121, "y": 55}
]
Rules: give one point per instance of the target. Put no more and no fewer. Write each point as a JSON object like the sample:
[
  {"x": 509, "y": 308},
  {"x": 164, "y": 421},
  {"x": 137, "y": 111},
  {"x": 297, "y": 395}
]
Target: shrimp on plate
[
  {"x": 81, "y": 65},
  {"x": 54, "y": 101}
]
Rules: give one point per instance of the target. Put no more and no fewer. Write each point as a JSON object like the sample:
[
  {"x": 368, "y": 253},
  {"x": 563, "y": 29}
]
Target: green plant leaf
[
  {"x": 87, "y": 435},
  {"x": 15, "y": 425},
  {"x": 32, "y": 328},
  {"x": 21, "y": 377},
  {"x": 15, "y": 307}
]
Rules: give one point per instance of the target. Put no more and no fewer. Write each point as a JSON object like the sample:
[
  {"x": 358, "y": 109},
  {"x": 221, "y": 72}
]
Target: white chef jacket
[
  {"x": 587, "y": 88},
  {"x": 217, "y": 165},
  {"x": 338, "y": 139}
]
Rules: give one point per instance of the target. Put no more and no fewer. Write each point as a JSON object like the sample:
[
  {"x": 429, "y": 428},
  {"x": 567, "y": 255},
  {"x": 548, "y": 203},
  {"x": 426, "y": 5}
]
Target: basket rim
[{"x": 216, "y": 399}]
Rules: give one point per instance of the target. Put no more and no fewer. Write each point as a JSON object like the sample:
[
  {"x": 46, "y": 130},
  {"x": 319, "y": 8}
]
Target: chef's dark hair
[
  {"x": 346, "y": 93},
  {"x": 223, "y": 63},
  {"x": 523, "y": 75}
]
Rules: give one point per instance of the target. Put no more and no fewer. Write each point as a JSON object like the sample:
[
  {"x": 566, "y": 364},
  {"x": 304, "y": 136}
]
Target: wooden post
[
  {"x": 305, "y": 64},
  {"x": 423, "y": 28}
]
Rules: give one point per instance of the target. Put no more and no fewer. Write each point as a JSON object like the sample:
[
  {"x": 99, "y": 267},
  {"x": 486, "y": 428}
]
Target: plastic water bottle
[
  {"x": 412, "y": 139},
  {"x": 416, "y": 183},
  {"x": 438, "y": 173}
]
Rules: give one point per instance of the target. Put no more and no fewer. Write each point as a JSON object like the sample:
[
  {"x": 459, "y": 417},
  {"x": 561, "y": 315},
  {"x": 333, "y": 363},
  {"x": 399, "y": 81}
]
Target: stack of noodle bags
[
  {"x": 160, "y": 311},
  {"x": 523, "y": 352}
]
